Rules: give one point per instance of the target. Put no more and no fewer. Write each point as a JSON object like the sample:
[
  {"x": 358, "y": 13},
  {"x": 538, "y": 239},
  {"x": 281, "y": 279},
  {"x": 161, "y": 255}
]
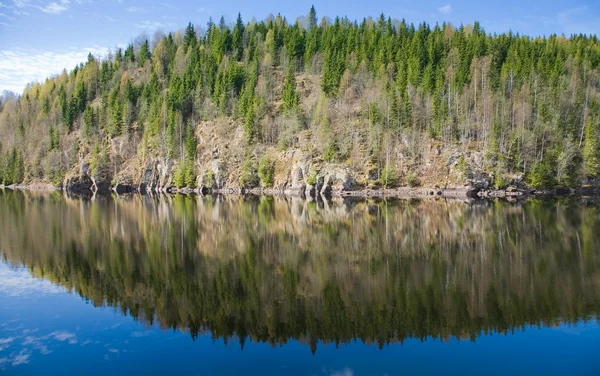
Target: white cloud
[
  {"x": 21, "y": 66},
  {"x": 150, "y": 25},
  {"x": 345, "y": 372},
  {"x": 51, "y": 8},
  {"x": 446, "y": 9},
  {"x": 137, "y": 10},
  {"x": 204, "y": 10},
  {"x": 167, "y": 5},
  {"x": 22, "y": 358},
  {"x": 54, "y": 8},
  {"x": 19, "y": 282}
]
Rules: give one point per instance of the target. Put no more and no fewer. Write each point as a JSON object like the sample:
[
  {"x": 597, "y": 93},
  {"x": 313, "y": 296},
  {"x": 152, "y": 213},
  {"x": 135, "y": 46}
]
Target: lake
[{"x": 265, "y": 285}]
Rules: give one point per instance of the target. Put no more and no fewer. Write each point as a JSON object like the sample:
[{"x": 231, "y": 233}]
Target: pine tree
[
  {"x": 394, "y": 109},
  {"x": 312, "y": 19},
  {"x": 88, "y": 121},
  {"x": 332, "y": 72},
  {"x": 189, "y": 38},
  {"x": 190, "y": 143},
  {"x": 291, "y": 100},
  {"x": 144, "y": 54},
  {"x": 238, "y": 38},
  {"x": 129, "y": 55}
]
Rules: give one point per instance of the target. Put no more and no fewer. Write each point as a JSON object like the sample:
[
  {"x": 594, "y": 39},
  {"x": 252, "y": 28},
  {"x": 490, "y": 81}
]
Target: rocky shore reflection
[{"x": 268, "y": 269}]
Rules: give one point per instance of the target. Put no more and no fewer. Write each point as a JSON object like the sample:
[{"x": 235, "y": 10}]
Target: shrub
[
  {"x": 179, "y": 176},
  {"x": 249, "y": 178},
  {"x": 184, "y": 175},
  {"x": 266, "y": 170},
  {"x": 330, "y": 152},
  {"x": 461, "y": 166},
  {"x": 412, "y": 179},
  {"x": 312, "y": 177},
  {"x": 209, "y": 178},
  {"x": 541, "y": 176},
  {"x": 388, "y": 177},
  {"x": 190, "y": 175}
]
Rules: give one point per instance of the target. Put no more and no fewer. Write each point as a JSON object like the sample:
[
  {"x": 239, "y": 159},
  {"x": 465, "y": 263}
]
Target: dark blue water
[{"x": 72, "y": 320}]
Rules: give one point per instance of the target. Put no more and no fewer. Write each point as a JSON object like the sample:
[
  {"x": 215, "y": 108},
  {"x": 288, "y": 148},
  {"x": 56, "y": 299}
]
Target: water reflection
[{"x": 271, "y": 269}]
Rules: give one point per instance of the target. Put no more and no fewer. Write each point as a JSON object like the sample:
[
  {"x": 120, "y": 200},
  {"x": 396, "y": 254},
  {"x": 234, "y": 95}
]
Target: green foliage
[
  {"x": 499, "y": 174},
  {"x": 542, "y": 176},
  {"x": 249, "y": 177},
  {"x": 189, "y": 37},
  {"x": 266, "y": 169},
  {"x": 184, "y": 175},
  {"x": 57, "y": 179},
  {"x": 333, "y": 70},
  {"x": 209, "y": 178},
  {"x": 144, "y": 53},
  {"x": 312, "y": 177},
  {"x": 291, "y": 101},
  {"x": 53, "y": 138},
  {"x": 412, "y": 179},
  {"x": 462, "y": 167},
  {"x": 388, "y": 177},
  {"x": 238, "y": 38},
  {"x": 330, "y": 152},
  {"x": 11, "y": 167},
  {"x": 96, "y": 160}
]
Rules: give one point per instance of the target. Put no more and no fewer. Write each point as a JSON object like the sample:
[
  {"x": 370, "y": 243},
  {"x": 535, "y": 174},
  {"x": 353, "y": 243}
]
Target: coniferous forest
[{"x": 368, "y": 103}]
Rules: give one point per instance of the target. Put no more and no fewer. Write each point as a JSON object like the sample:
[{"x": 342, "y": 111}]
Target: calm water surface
[{"x": 227, "y": 285}]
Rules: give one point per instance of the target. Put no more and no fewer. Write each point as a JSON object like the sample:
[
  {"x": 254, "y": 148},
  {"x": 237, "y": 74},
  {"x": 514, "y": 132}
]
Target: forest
[{"x": 395, "y": 104}]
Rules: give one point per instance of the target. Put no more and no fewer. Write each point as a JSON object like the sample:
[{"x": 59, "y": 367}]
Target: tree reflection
[{"x": 271, "y": 269}]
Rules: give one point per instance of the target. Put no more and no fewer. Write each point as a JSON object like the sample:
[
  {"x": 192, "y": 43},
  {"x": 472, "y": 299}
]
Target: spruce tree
[
  {"x": 238, "y": 38},
  {"x": 290, "y": 96},
  {"x": 189, "y": 37}
]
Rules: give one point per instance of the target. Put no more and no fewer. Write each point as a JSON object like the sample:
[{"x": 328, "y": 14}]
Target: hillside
[{"x": 341, "y": 105}]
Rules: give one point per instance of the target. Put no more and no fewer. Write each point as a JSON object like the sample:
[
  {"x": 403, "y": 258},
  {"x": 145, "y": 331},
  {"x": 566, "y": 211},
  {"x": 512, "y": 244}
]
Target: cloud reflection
[{"x": 19, "y": 283}]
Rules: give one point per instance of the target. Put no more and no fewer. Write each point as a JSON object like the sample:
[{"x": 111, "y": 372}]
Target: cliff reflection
[{"x": 271, "y": 269}]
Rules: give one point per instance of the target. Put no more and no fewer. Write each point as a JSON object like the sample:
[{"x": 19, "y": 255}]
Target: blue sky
[{"x": 41, "y": 37}]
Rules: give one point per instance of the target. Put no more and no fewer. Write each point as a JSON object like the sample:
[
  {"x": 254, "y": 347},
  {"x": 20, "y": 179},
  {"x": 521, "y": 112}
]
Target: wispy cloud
[
  {"x": 137, "y": 10},
  {"x": 446, "y": 9},
  {"x": 150, "y": 25},
  {"x": 54, "y": 8},
  {"x": 204, "y": 10},
  {"x": 344, "y": 372},
  {"x": 171, "y": 6},
  {"x": 51, "y": 8},
  {"x": 18, "y": 68},
  {"x": 20, "y": 348},
  {"x": 19, "y": 282}
]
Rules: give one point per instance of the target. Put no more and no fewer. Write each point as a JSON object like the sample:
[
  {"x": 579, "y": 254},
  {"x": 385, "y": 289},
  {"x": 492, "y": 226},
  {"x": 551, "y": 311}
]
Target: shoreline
[{"x": 466, "y": 192}]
